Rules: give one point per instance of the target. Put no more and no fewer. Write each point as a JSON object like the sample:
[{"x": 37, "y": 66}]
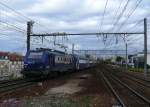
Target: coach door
[{"x": 51, "y": 60}]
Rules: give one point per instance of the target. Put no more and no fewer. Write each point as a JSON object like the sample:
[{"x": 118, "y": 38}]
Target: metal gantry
[{"x": 30, "y": 33}]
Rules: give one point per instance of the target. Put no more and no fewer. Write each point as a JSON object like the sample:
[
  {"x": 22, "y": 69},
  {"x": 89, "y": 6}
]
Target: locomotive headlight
[
  {"x": 47, "y": 67},
  {"x": 25, "y": 65}
]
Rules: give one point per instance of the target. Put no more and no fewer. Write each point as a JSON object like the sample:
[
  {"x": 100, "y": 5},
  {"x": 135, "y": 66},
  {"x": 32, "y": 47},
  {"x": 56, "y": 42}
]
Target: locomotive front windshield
[{"x": 35, "y": 55}]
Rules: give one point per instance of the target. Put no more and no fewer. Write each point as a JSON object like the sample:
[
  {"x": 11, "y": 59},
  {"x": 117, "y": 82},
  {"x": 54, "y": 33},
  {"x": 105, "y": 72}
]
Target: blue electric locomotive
[{"x": 42, "y": 62}]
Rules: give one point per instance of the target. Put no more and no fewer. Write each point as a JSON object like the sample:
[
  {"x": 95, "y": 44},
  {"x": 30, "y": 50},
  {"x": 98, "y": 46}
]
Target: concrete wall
[
  {"x": 10, "y": 68},
  {"x": 15, "y": 68},
  {"x": 4, "y": 68}
]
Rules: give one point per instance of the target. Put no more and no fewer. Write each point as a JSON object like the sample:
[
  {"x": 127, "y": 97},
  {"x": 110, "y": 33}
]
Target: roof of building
[
  {"x": 12, "y": 56},
  {"x": 15, "y": 57},
  {"x": 4, "y": 53}
]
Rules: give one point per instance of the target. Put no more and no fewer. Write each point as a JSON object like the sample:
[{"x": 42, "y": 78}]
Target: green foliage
[
  {"x": 119, "y": 58},
  {"x": 11, "y": 76},
  {"x": 136, "y": 69},
  {"x": 87, "y": 56}
]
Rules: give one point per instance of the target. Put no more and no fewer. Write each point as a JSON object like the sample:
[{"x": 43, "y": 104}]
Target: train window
[
  {"x": 35, "y": 55},
  {"x": 58, "y": 58}
]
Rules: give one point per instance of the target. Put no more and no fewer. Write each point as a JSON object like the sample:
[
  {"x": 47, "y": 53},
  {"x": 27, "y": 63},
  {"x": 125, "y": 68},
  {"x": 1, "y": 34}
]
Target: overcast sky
[{"x": 74, "y": 16}]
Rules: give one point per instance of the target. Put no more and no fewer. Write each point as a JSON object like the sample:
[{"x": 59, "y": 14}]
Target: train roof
[{"x": 48, "y": 50}]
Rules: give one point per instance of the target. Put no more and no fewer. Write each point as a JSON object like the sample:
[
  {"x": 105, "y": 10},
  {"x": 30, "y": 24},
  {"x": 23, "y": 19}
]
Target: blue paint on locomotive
[{"x": 43, "y": 62}]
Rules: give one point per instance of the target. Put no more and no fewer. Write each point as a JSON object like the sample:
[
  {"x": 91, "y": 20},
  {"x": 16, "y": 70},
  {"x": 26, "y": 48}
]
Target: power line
[
  {"x": 129, "y": 15},
  {"x": 25, "y": 17},
  {"x": 14, "y": 27},
  {"x": 121, "y": 14},
  {"x": 117, "y": 10},
  {"x": 103, "y": 15},
  {"x": 101, "y": 24},
  {"x": 135, "y": 25},
  {"x": 22, "y": 15}
]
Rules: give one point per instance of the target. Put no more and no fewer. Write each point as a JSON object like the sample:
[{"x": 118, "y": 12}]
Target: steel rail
[
  {"x": 10, "y": 86},
  {"x": 143, "y": 79},
  {"x": 135, "y": 79},
  {"x": 131, "y": 89},
  {"x": 14, "y": 87},
  {"x": 113, "y": 90},
  {"x": 10, "y": 83}
]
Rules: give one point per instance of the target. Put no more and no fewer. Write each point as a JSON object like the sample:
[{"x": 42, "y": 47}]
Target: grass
[
  {"x": 84, "y": 101},
  {"x": 136, "y": 69}
]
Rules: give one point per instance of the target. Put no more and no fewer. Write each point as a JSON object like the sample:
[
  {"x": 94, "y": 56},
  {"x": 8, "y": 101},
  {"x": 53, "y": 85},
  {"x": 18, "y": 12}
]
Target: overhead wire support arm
[{"x": 71, "y": 34}]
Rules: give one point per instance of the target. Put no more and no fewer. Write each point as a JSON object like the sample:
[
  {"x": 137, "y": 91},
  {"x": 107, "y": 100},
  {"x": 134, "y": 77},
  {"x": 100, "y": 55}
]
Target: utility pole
[
  {"x": 126, "y": 57},
  {"x": 145, "y": 47},
  {"x": 29, "y": 31},
  {"x": 72, "y": 48}
]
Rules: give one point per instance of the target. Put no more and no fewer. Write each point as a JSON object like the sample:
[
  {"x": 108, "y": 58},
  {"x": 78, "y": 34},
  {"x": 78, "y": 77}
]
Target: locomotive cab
[{"x": 34, "y": 63}]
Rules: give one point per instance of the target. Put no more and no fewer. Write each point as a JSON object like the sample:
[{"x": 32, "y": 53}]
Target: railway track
[
  {"x": 140, "y": 81},
  {"x": 119, "y": 100},
  {"x": 123, "y": 92},
  {"x": 6, "y": 81},
  {"x": 143, "y": 79},
  {"x": 132, "y": 75},
  {"x": 10, "y": 86}
]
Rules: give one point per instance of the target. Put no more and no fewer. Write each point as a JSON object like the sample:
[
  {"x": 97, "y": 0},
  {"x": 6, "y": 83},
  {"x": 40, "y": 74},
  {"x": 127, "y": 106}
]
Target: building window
[{"x": 6, "y": 57}]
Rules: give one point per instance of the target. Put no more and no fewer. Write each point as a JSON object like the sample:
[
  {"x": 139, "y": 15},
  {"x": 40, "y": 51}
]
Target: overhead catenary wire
[
  {"x": 130, "y": 14},
  {"x": 116, "y": 12},
  {"x": 102, "y": 21},
  {"x": 14, "y": 27},
  {"x": 135, "y": 25},
  {"x": 23, "y": 16},
  {"x": 103, "y": 16},
  {"x": 121, "y": 14}
]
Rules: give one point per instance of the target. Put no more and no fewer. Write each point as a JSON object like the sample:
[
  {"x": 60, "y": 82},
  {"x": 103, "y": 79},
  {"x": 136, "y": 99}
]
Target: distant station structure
[{"x": 101, "y": 52}]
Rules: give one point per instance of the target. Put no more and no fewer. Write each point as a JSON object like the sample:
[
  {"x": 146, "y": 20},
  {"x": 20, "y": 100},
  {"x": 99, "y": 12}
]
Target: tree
[{"x": 119, "y": 58}]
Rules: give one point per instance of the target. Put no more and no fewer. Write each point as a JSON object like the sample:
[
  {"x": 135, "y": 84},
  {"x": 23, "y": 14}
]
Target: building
[
  {"x": 15, "y": 64},
  {"x": 4, "y": 64},
  {"x": 10, "y": 65},
  {"x": 138, "y": 60}
]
